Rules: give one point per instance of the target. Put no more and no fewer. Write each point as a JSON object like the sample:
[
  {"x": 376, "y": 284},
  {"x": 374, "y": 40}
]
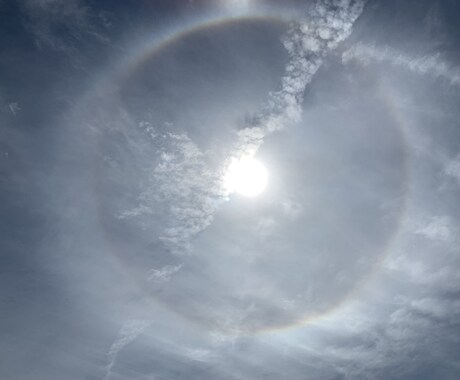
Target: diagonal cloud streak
[
  {"x": 127, "y": 334},
  {"x": 307, "y": 44},
  {"x": 185, "y": 177},
  {"x": 425, "y": 65}
]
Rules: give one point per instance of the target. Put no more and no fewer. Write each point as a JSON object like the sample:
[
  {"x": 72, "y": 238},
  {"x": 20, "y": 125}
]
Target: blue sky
[{"x": 123, "y": 254}]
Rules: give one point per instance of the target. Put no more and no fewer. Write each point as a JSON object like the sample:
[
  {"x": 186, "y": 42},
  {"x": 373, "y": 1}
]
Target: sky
[{"x": 123, "y": 253}]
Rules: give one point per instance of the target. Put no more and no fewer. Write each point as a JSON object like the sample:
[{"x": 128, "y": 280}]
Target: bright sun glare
[{"x": 246, "y": 176}]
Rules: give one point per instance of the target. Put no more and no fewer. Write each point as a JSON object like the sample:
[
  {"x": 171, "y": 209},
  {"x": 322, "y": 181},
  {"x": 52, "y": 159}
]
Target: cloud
[
  {"x": 438, "y": 228},
  {"x": 405, "y": 320},
  {"x": 74, "y": 20},
  {"x": 14, "y": 107},
  {"x": 183, "y": 183},
  {"x": 198, "y": 354},
  {"x": 291, "y": 208},
  {"x": 188, "y": 180},
  {"x": 429, "y": 64},
  {"x": 164, "y": 274},
  {"x": 127, "y": 334},
  {"x": 307, "y": 43},
  {"x": 452, "y": 169},
  {"x": 9, "y": 106},
  {"x": 400, "y": 320},
  {"x": 392, "y": 337}
]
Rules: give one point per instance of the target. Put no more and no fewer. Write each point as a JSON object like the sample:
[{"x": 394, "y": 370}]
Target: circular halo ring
[{"x": 152, "y": 46}]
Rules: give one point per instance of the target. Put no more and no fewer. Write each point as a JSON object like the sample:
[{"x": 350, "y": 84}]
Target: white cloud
[
  {"x": 198, "y": 354},
  {"x": 127, "y": 334},
  {"x": 307, "y": 43},
  {"x": 291, "y": 208},
  {"x": 185, "y": 182},
  {"x": 14, "y": 107},
  {"x": 164, "y": 274},
  {"x": 438, "y": 228},
  {"x": 187, "y": 179},
  {"x": 389, "y": 335},
  {"x": 429, "y": 64},
  {"x": 452, "y": 169},
  {"x": 265, "y": 226},
  {"x": 44, "y": 17}
]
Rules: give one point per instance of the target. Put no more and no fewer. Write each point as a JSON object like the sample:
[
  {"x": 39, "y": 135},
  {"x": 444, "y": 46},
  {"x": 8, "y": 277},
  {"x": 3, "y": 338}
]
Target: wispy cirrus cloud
[
  {"x": 75, "y": 21},
  {"x": 394, "y": 331},
  {"x": 452, "y": 168},
  {"x": 127, "y": 334},
  {"x": 432, "y": 64},
  {"x": 307, "y": 43},
  {"x": 437, "y": 228},
  {"x": 189, "y": 181},
  {"x": 164, "y": 274},
  {"x": 184, "y": 186}
]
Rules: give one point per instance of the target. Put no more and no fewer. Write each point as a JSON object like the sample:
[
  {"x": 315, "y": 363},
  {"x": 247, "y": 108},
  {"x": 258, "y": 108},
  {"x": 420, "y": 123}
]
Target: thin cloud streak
[
  {"x": 307, "y": 44},
  {"x": 164, "y": 274},
  {"x": 127, "y": 334},
  {"x": 186, "y": 179},
  {"x": 426, "y": 65},
  {"x": 74, "y": 17}
]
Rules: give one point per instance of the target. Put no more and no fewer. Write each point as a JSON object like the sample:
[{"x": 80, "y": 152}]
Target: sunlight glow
[
  {"x": 236, "y": 4},
  {"x": 246, "y": 176}
]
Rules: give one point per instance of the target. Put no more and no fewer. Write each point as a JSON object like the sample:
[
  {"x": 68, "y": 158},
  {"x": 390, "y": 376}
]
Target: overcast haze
[{"x": 124, "y": 255}]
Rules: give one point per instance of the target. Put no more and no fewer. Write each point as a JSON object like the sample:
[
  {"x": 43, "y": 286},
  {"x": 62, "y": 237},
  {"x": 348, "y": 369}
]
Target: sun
[{"x": 246, "y": 176}]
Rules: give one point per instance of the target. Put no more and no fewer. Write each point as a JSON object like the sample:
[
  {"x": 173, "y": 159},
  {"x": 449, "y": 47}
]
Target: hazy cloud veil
[
  {"x": 124, "y": 255},
  {"x": 185, "y": 178}
]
